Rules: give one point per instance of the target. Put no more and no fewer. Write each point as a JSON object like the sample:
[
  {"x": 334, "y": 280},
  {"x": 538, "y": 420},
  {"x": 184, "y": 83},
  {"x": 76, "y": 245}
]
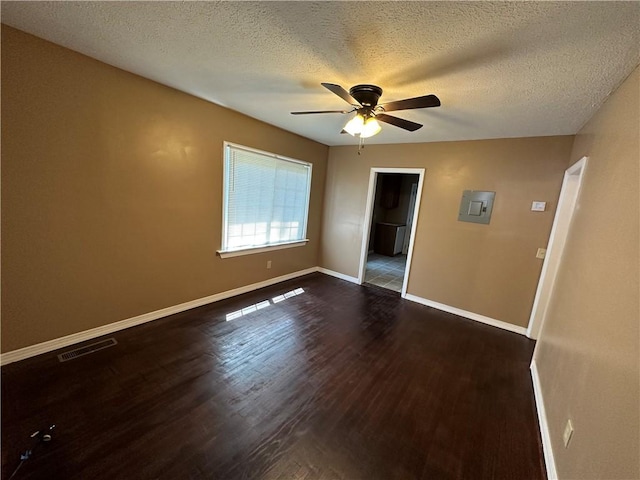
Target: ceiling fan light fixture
[
  {"x": 363, "y": 99},
  {"x": 355, "y": 125},
  {"x": 370, "y": 128}
]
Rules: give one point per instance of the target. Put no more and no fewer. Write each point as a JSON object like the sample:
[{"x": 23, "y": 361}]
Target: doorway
[
  {"x": 557, "y": 239},
  {"x": 392, "y": 210}
]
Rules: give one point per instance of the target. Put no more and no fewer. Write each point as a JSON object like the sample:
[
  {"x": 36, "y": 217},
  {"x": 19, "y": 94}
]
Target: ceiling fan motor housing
[{"x": 367, "y": 95}]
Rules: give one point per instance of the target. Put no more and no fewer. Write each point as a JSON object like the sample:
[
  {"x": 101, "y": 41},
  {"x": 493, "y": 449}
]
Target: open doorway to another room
[{"x": 392, "y": 213}]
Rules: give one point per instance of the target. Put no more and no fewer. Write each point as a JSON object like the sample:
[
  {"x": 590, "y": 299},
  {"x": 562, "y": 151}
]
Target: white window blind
[{"x": 266, "y": 199}]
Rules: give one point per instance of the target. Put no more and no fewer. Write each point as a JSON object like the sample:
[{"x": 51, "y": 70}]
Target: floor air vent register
[{"x": 87, "y": 349}]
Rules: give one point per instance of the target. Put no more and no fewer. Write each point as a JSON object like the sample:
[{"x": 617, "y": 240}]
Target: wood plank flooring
[{"x": 339, "y": 381}]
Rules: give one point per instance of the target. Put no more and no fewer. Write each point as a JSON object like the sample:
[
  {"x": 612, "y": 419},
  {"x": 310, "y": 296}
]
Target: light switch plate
[
  {"x": 538, "y": 206},
  {"x": 568, "y": 433},
  {"x": 541, "y": 253}
]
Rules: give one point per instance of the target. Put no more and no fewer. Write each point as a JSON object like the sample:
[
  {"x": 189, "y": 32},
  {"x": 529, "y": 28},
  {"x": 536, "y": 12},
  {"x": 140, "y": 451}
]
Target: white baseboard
[
  {"x": 339, "y": 275},
  {"x": 74, "y": 338},
  {"x": 549, "y": 460},
  {"x": 470, "y": 315}
]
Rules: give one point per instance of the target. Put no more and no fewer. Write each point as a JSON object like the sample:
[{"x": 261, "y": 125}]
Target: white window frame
[{"x": 225, "y": 252}]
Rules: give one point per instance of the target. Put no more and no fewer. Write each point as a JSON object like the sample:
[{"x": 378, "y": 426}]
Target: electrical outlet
[
  {"x": 268, "y": 264},
  {"x": 541, "y": 253},
  {"x": 568, "y": 433}
]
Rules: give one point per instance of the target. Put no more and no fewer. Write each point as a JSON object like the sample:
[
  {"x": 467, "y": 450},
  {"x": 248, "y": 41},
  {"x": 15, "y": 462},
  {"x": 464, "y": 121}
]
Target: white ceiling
[{"x": 501, "y": 69}]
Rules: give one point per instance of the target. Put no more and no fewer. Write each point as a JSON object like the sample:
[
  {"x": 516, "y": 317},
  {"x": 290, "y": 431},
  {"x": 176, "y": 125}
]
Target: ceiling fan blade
[
  {"x": 425, "y": 101},
  {"x": 341, "y": 92},
  {"x": 321, "y": 111},
  {"x": 398, "y": 122}
]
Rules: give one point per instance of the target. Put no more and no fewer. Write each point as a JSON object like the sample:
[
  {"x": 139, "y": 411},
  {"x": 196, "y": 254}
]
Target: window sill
[{"x": 267, "y": 248}]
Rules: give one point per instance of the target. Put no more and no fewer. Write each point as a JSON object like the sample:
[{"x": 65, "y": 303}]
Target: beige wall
[
  {"x": 111, "y": 194},
  {"x": 587, "y": 355},
  {"x": 485, "y": 269}
]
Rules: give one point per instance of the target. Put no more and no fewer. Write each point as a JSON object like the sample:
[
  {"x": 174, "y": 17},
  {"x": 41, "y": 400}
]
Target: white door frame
[
  {"x": 559, "y": 231},
  {"x": 368, "y": 214}
]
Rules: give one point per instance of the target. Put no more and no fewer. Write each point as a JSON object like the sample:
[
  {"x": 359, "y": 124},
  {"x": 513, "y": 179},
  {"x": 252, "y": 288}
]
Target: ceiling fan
[{"x": 364, "y": 100}]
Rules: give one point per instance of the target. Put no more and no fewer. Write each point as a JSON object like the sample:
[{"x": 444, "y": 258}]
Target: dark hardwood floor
[{"x": 337, "y": 382}]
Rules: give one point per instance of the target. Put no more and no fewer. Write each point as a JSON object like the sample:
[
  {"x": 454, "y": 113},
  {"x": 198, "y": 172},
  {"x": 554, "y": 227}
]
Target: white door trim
[
  {"x": 368, "y": 214},
  {"x": 559, "y": 231}
]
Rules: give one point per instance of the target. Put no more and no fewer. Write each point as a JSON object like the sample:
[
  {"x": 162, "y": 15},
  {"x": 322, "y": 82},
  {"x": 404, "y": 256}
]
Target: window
[{"x": 266, "y": 201}]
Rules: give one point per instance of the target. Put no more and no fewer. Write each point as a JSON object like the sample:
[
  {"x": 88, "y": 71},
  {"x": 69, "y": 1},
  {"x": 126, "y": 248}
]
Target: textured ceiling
[{"x": 501, "y": 69}]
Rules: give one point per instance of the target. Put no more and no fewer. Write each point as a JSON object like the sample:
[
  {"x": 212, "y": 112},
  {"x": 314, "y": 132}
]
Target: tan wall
[
  {"x": 111, "y": 194},
  {"x": 587, "y": 354},
  {"x": 485, "y": 269}
]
